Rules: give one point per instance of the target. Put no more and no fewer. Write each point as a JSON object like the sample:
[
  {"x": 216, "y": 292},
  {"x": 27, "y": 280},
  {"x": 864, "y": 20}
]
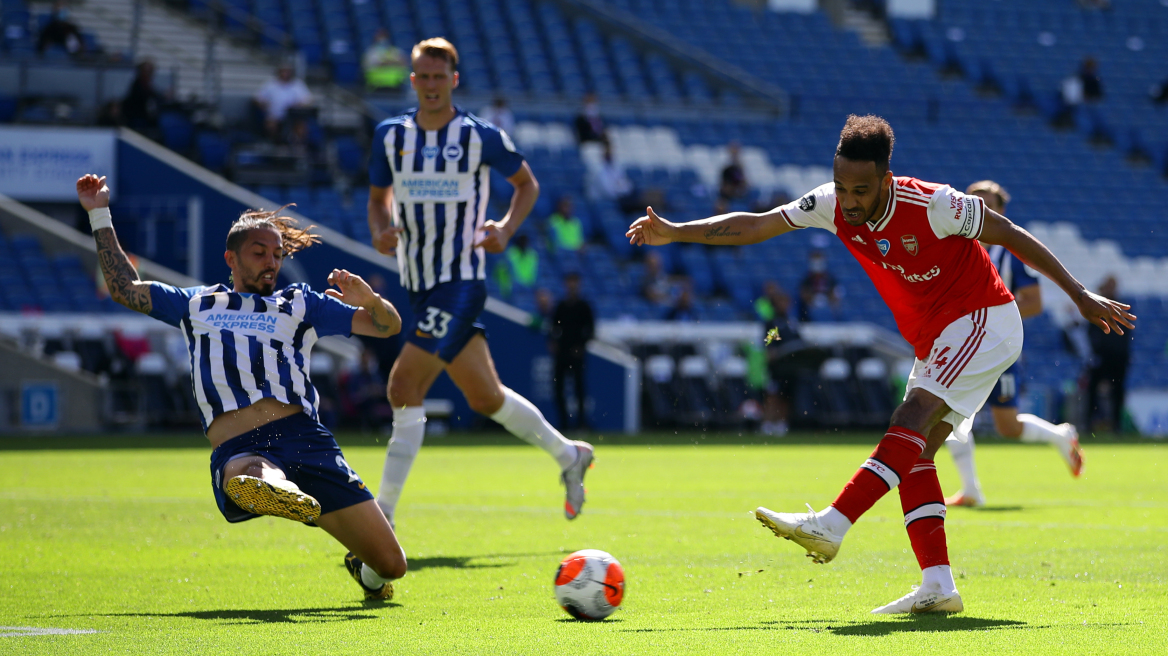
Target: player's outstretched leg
[
  {"x": 258, "y": 486},
  {"x": 523, "y": 420},
  {"x": 971, "y": 495},
  {"x": 821, "y": 533},
  {"x": 924, "y": 519},
  {"x": 1064, "y": 438}
]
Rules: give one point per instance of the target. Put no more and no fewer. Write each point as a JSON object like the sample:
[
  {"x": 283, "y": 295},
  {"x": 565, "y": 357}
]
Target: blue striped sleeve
[
  {"x": 1024, "y": 276},
  {"x": 170, "y": 304},
  {"x": 380, "y": 175},
  {"x": 328, "y": 315},
  {"x": 499, "y": 151}
]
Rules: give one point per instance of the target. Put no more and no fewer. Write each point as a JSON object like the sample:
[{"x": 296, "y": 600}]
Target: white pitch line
[{"x": 16, "y": 631}]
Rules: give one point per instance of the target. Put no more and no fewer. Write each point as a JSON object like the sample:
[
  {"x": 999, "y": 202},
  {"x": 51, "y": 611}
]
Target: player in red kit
[{"x": 918, "y": 242}]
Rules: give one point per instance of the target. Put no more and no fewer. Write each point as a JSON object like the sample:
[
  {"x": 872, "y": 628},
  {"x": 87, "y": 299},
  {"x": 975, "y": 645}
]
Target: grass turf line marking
[{"x": 16, "y": 631}]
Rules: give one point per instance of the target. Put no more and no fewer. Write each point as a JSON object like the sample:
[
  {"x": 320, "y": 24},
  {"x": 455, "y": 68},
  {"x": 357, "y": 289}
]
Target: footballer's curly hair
[
  {"x": 867, "y": 139},
  {"x": 295, "y": 238}
]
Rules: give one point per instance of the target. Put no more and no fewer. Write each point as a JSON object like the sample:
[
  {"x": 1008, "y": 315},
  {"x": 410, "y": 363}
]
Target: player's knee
[
  {"x": 486, "y": 402},
  {"x": 389, "y": 563},
  {"x": 403, "y": 392}
]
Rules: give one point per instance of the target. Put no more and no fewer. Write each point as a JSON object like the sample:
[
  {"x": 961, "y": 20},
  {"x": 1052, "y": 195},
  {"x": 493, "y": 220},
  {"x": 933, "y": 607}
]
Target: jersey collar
[
  {"x": 459, "y": 113},
  {"x": 888, "y": 211}
]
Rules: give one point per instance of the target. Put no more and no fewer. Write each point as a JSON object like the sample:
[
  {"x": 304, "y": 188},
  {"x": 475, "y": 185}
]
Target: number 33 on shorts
[{"x": 436, "y": 323}]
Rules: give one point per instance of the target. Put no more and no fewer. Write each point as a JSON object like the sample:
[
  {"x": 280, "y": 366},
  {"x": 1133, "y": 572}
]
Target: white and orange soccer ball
[{"x": 590, "y": 584}]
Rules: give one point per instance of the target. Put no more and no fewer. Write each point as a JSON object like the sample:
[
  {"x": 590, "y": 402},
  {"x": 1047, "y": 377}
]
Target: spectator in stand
[
  {"x": 1089, "y": 76},
  {"x": 143, "y": 103},
  {"x": 279, "y": 95},
  {"x": 609, "y": 182},
  {"x": 589, "y": 125},
  {"x": 520, "y": 267},
  {"x": 683, "y": 306},
  {"x": 1111, "y": 353},
  {"x": 773, "y": 309},
  {"x": 733, "y": 182},
  {"x": 385, "y": 65},
  {"x": 499, "y": 115},
  {"x": 655, "y": 287},
  {"x": 567, "y": 229},
  {"x": 819, "y": 292},
  {"x": 60, "y": 32},
  {"x": 1158, "y": 92},
  {"x": 572, "y": 327}
]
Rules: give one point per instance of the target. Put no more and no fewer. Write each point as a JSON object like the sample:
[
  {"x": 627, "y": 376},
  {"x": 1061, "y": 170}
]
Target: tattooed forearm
[
  {"x": 120, "y": 276},
  {"x": 721, "y": 231},
  {"x": 385, "y": 320}
]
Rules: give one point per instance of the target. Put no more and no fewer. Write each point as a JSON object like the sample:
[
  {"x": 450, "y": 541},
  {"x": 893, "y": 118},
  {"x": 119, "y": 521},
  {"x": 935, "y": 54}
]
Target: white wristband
[{"x": 99, "y": 217}]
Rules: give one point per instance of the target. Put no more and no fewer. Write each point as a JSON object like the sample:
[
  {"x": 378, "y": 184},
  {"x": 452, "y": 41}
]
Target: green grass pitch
[{"x": 125, "y": 546}]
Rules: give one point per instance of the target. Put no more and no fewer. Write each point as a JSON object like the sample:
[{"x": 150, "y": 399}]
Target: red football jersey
[{"x": 922, "y": 255}]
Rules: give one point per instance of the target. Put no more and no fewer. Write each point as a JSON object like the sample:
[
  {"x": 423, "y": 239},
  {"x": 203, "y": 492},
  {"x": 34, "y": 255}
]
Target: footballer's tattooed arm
[
  {"x": 1104, "y": 312},
  {"x": 121, "y": 278},
  {"x": 733, "y": 229}
]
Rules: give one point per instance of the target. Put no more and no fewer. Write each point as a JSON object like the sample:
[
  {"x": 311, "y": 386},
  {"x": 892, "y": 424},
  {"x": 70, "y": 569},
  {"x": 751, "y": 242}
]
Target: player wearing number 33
[
  {"x": 918, "y": 243},
  {"x": 250, "y": 345},
  {"x": 429, "y": 175}
]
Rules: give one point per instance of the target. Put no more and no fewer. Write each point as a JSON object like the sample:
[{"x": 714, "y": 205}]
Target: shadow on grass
[
  {"x": 935, "y": 623},
  {"x": 931, "y": 624},
  {"x": 468, "y": 562},
  {"x": 280, "y": 615}
]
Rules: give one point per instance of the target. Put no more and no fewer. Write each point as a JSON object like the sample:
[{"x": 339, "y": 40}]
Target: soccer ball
[{"x": 590, "y": 584}]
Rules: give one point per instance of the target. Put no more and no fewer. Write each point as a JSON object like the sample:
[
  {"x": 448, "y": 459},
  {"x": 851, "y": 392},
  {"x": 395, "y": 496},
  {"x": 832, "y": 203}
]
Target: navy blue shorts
[
  {"x": 307, "y": 453},
  {"x": 1005, "y": 394},
  {"x": 447, "y": 317}
]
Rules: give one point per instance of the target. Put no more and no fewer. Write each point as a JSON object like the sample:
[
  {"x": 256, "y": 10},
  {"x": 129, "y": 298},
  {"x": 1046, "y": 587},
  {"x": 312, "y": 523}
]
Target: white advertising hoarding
[{"x": 43, "y": 163}]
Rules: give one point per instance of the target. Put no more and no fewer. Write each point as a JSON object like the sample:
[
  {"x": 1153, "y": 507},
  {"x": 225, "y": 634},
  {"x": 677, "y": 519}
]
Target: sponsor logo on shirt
[
  {"x": 910, "y": 243},
  {"x": 913, "y": 277},
  {"x": 452, "y": 152},
  {"x": 807, "y": 203},
  {"x": 883, "y": 245},
  {"x": 859, "y": 239},
  {"x": 257, "y": 321},
  {"x": 430, "y": 152},
  {"x": 444, "y": 188}
]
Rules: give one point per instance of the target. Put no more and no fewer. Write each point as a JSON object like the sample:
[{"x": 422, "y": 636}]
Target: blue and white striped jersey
[
  {"x": 1015, "y": 275},
  {"x": 441, "y": 184},
  {"x": 246, "y": 347}
]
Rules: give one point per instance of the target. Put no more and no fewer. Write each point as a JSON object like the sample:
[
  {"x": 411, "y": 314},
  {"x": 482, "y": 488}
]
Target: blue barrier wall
[{"x": 146, "y": 168}]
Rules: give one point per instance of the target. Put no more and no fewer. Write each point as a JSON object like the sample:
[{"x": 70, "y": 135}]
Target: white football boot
[
  {"x": 805, "y": 530},
  {"x": 1069, "y": 449},
  {"x": 921, "y": 600}
]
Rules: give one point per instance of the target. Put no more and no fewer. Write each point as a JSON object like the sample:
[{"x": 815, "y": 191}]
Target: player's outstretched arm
[
  {"x": 121, "y": 278},
  {"x": 1103, "y": 312},
  {"x": 733, "y": 229},
  {"x": 376, "y": 317},
  {"x": 496, "y": 234}
]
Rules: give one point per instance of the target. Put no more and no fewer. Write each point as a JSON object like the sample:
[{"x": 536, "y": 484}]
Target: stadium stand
[{"x": 971, "y": 93}]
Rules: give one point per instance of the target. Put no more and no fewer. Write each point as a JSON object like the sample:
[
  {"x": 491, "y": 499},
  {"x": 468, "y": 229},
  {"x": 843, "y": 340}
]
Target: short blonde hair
[
  {"x": 990, "y": 187},
  {"x": 438, "y": 48}
]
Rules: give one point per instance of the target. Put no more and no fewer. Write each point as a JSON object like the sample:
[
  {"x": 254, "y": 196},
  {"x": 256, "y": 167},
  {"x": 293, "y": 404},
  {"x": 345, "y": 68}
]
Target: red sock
[
  {"x": 924, "y": 514},
  {"x": 883, "y": 471}
]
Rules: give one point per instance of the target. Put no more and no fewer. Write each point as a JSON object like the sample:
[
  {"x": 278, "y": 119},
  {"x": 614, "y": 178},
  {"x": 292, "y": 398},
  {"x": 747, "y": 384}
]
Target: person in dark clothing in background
[
  {"x": 143, "y": 103},
  {"x": 60, "y": 32},
  {"x": 573, "y": 326},
  {"x": 1111, "y": 354},
  {"x": 589, "y": 125}
]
